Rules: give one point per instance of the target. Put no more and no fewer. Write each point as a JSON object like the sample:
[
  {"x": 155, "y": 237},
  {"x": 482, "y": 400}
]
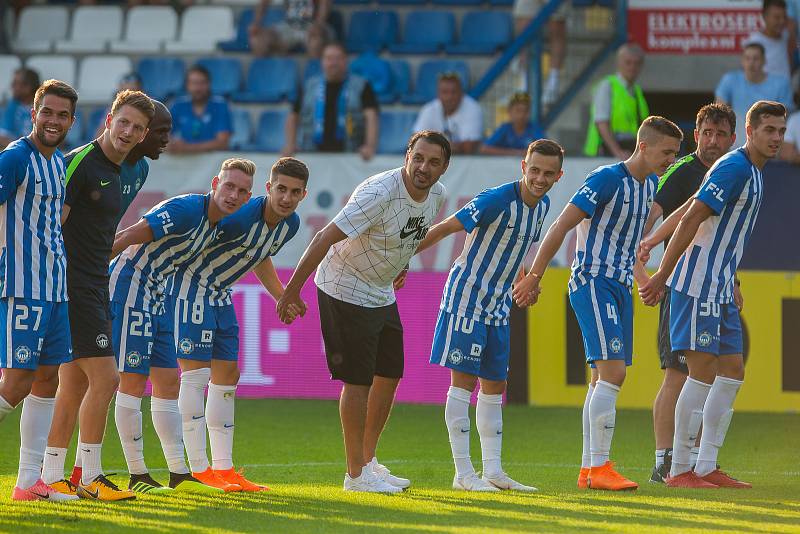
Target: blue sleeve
[
  {"x": 597, "y": 191},
  {"x": 723, "y": 185},
  {"x": 11, "y": 174},
  {"x": 496, "y": 137},
  {"x": 545, "y": 209},
  {"x": 175, "y": 111},
  {"x": 481, "y": 210},
  {"x": 175, "y": 216},
  {"x": 723, "y": 90},
  {"x": 222, "y": 120},
  {"x": 294, "y": 225}
]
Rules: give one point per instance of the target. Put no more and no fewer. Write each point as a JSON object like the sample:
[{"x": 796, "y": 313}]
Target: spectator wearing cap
[
  {"x": 201, "y": 121},
  {"x": 513, "y": 137},
  {"x": 17, "y": 117},
  {"x": 336, "y": 111},
  {"x": 458, "y": 116}
]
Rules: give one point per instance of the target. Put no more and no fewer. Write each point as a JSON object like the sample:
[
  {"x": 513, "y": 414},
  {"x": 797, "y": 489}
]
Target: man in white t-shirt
[
  {"x": 362, "y": 255},
  {"x": 455, "y": 114},
  {"x": 774, "y": 38},
  {"x": 790, "y": 150}
]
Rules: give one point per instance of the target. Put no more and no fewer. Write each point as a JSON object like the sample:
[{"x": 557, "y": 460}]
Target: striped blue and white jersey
[
  {"x": 181, "y": 230},
  {"x": 616, "y": 206},
  {"x": 500, "y": 230},
  {"x": 243, "y": 241},
  {"x": 33, "y": 261},
  {"x": 733, "y": 189}
]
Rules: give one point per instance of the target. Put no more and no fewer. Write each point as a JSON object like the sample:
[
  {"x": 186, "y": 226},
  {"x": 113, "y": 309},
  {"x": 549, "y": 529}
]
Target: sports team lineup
[{"x": 83, "y": 333}]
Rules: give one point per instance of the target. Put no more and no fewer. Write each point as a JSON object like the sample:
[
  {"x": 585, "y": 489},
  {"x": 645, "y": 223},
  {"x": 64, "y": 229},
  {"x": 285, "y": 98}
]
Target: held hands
[
  {"x": 643, "y": 252},
  {"x": 290, "y": 307},
  {"x": 652, "y": 291},
  {"x": 526, "y": 290}
]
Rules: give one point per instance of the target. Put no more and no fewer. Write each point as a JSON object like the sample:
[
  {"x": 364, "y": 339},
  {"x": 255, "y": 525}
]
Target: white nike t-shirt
[{"x": 384, "y": 226}]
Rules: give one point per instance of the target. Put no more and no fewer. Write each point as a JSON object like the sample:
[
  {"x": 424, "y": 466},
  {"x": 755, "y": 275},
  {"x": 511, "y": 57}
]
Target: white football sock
[
  {"x": 53, "y": 468},
  {"x": 5, "y": 408},
  {"x": 219, "y": 418},
  {"x": 169, "y": 428},
  {"x": 489, "y": 420},
  {"x": 688, "y": 416},
  {"x": 34, "y": 426},
  {"x": 660, "y": 453},
  {"x": 602, "y": 417},
  {"x": 456, "y": 417},
  {"x": 128, "y": 417},
  {"x": 91, "y": 454},
  {"x": 586, "y": 456},
  {"x": 716, "y": 420},
  {"x": 190, "y": 400},
  {"x": 78, "y": 462}
]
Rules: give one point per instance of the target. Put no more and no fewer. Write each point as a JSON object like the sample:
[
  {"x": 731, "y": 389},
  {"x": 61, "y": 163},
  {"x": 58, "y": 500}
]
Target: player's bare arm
[
  {"x": 136, "y": 234},
  {"x": 683, "y": 235},
  {"x": 266, "y": 274},
  {"x": 314, "y": 254},
  {"x": 660, "y": 234},
  {"x": 526, "y": 291},
  {"x": 439, "y": 231}
]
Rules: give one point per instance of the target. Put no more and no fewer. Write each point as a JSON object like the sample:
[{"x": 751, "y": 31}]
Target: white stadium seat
[
  {"x": 51, "y": 66},
  {"x": 98, "y": 77},
  {"x": 39, "y": 26},
  {"x": 201, "y": 28},
  {"x": 93, "y": 27},
  {"x": 8, "y": 64},
  {"x": 146, "y": 29}
]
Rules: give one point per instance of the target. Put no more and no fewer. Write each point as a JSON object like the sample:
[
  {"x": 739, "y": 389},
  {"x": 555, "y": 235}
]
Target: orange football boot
[
  {"x": 210, "y": 478},
  {"x": 606, "y": 478},
  {"x": 689, "y": 479},
  {"x": 583, "y": 478},
  {"x": 721, "y": 479},
  {"x": 232, "y": 476}
]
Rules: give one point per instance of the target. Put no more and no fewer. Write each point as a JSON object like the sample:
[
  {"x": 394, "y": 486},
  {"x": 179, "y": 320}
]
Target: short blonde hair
[
  {"x": 241, "y": 164},
  {"x": 135, "y": 99}
]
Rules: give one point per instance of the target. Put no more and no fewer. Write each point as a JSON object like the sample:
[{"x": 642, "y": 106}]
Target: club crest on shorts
[
  {"x": 615, "y": 345},
  {"x": 22, "y": 354},
  {"x": 704, "y": 339},
  {"x": 102, "y": 341},
  {"x": 134, "y": 359},
  {"x": 186, "y": 346},
  {"x": 456, "y": 356}
]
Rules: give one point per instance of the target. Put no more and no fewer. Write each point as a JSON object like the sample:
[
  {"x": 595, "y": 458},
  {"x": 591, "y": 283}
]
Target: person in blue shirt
[
  {"x": 513, "y": 137},
  {"x": 472, "y": 336},
  {"x": 16, "y": 120},
  {"x": 709, "y": 236},
  {"x": 201, "y": 121},
  {"x": 609, "y": 211}
]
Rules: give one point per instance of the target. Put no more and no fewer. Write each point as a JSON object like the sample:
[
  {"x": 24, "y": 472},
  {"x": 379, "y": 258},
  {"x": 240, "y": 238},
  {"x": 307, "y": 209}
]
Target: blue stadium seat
[
  {"x": 242, "y": 129},
  {"x": 162, "y": 77},
  {"x": 395, "y": 130},
  {"x": 351, "y": 2},
  {"x": 241, "y": 43},
  {"x": 458, "y": 2},
  {"x": 312, "y": 68},
  {"x": 428, "y": 76},
  {"x": 77, "y": 134},
  {"x": 426, "y": 32},
  {"x": 402, "y": 2},
  {"x": 483, "y": 32},
  {"x": 96, "y": 119},
  {"x": 582, "y": 3},
  {"x": 401, "y": 81},
  {"x": 270, "y": 80},
  {"x": 269, "y": 136},
  {"x": 504, "y": 3},
  {"x": 371, "y": 30},
  {"x": 226, "y": 74},
  {"x": 376, "y": 70}
]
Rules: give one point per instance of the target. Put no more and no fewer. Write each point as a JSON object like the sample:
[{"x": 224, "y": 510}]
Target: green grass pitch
[{"x": 296, "y": 447}]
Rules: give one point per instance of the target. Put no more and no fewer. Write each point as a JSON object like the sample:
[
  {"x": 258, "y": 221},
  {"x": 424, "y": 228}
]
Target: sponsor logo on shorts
[
  {"x": 206, "y": 336},
  {"x": 102, "y": 341},
  {"x": 615, "y": 345},
  {"x": 705, "y": 338},
  {"x": 475, "y": 350},
  {"x": 456, "y": 356},
  {"x": 134, "y": 359},
  {"x": 186, "y": 346},
  {"x": 22, "y": 354}
]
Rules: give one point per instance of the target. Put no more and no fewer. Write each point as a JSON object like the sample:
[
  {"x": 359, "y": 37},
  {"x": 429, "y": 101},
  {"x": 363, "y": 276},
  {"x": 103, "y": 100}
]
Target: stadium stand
[
  {"x": 371, "y": 30},
  {"x": 270, "y": 80},
  {"x": 241, "y": 43},
  {"x": 29, "y": 36},
  {"x": 53, "y": 66},
  {"x": 427, "y": 77},
  {"x": 242, "y": 129},
  {"x": 226, "y": 74},
  {"x": 269, "y": 134},
  {"x": 92, "y": 29},
  {"x": 393, "y": 134},
  {"x": 201, "y": 28},
  {"x": 426, "y": 32},
  {"x": 98, "y": 77},
  {"x": 482, "y": 32},
  {"x": 162, "y": 77},
  {"x": 8, "y": 64},
  {"x": 146, "y": 29}
]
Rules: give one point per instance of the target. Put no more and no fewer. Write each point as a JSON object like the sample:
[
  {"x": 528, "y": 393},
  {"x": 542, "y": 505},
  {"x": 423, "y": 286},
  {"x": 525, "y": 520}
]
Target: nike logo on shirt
[
  {"x": 228, "y": 426},
  {"x": 197, "y": 417},
  {"x": 137, "y": 439},
  {"x": 103, "y": 184}
]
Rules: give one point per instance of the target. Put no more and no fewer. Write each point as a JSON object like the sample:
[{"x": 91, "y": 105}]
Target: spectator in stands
[
  {"x": 790, "y": 151},
  {"x": 740, "y": 89},
  {"x": 336, "y": 111},
  {"x": 202, "y": 121},
  {"x": 17, "y": 117},
  {"x": 513, "y": 137},
  {"x": 458, "y": 116},
  {"x": 305, "y": 25},
  {"x": 523, "y": 12},
  {"x": 618, "y": 108},
  {"x": 775, "y": 38}
]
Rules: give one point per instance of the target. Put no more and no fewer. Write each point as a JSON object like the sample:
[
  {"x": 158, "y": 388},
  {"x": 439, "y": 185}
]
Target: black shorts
[
  {"x": 673, "y": 360},
  {"x": 90, "y": 322},
  {"x": 361, "y": 342}
]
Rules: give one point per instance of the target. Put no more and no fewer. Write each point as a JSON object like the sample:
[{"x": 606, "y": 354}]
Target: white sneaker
[
  {"x": 472, "y": 482},
  {"x": 368, "y": 483},
  {"x": 505, "y": 482},
  {"x": 382, "y": 472}
]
